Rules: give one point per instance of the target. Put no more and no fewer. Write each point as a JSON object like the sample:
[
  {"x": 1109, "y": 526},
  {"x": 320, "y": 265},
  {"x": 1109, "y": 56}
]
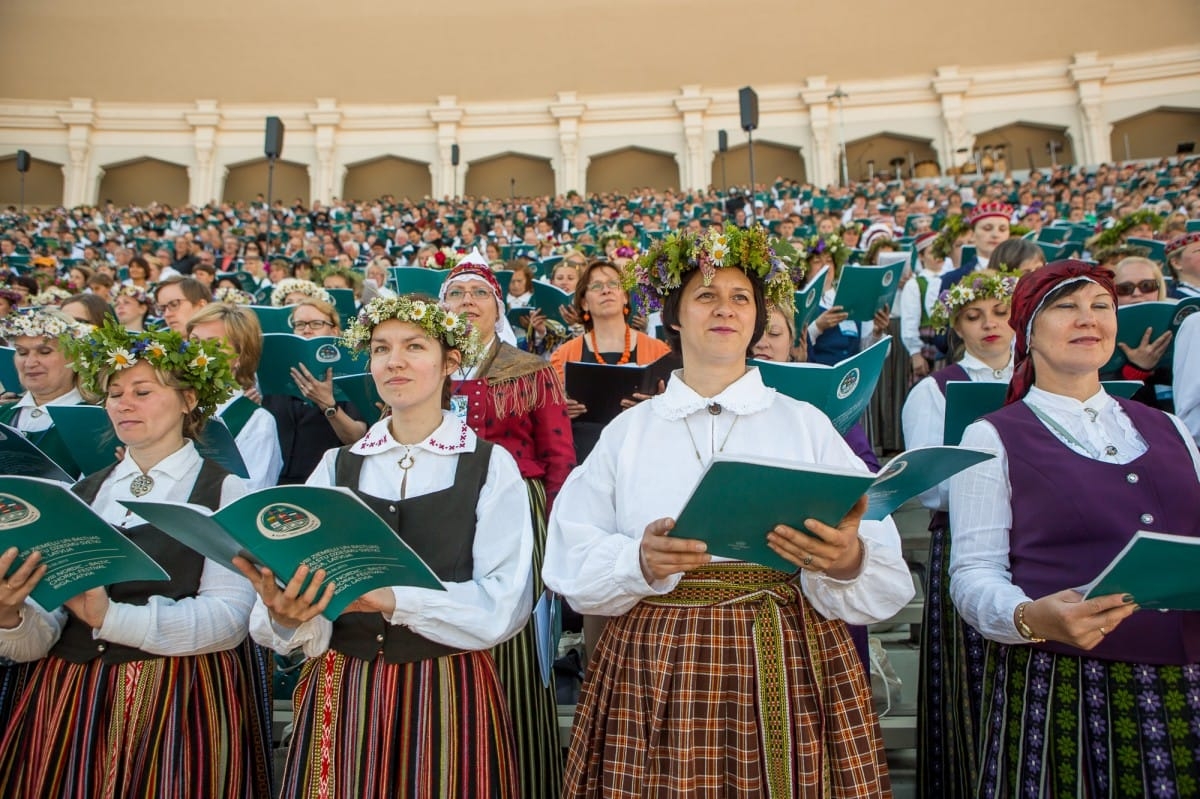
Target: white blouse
[
  {"x": 258, "y": 444},
  {"x": 643, "y": 469},
  {"x": 910, "y": 307},
  {"x": 32, "y": 418},
  {"x": 213, "y": 620},
  {"x": 981, "y": 510},
  {"x": 924, "y": 418},
  {"x": 1186, "y": 370},
  {"x": 477, "y": 614}
]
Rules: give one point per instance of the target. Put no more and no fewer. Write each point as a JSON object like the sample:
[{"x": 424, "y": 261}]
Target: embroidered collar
[
  {"x": 451, "y": 436},
  {"x": 72, "y": 397},
  {"x": 972, "y": 364},
  {"x": 745, "y": 395},
  {"x": 176, "y": 466}
]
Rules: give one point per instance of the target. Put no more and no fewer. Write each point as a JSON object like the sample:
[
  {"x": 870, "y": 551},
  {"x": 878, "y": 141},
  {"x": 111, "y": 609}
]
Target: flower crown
[
  {"x": 979, "y": 286},
  {"x": 1113, "y": 235},
  {"x": 202, "y": 366},
  {"x": 831, "y": 244},
  {"x": 293, "y": 285},
  {"x": 952, "y": 227},
  {"x": 445, "y": 258},
  {"x": 662, "y": 269},
  {"x": 232, "y": 296},
  {"x": 41, "y": 323},
  {"x": 139, "y": 295},
  {"x": 455, "y": 331},
  {"x": 53, "y": 295}
]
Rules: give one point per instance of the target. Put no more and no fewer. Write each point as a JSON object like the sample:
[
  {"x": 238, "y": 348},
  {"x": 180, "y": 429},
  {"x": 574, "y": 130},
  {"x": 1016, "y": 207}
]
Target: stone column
[
  {"x": 81, "y": 181},
  {"x": 822, "y": 164},
  {"x": 325, "y": 183},
  {"x": 568, "y": 173},
  {"x": 696, "y": 164},
  {"x": 446, "y": 115},
  {"x": 956, "y": 143},
  {"x": 1088, "y": 74},
  {"x": 202, "y": 186}
]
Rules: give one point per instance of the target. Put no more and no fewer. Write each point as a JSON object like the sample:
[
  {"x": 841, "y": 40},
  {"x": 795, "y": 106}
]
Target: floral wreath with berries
[
  {"x": 202, "y": 366},
  {"x": 454, "y": 330}
]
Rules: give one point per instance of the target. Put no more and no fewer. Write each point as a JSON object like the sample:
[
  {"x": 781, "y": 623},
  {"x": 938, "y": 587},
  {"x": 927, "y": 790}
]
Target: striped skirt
[
  {"x": 1067, "y": 726},
  {"x": 532, "y": 706},
  {"x": 162, "y": 728},
  {"x": 950, "y": 685},
  {"x": 378, "y": 730},
  {"x": 12, "y": 681},
  {"x": 731, "y": 685}
]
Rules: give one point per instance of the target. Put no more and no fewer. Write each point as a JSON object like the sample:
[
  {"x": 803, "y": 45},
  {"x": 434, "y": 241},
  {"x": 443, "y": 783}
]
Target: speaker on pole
[
  {"x": 273, "y": 147},
  {"x": 23, "y": 161},
  {"x": 748, "y": 104},
  {"x": 722, "y": 141},
  {"x": 454, "y": 155}
]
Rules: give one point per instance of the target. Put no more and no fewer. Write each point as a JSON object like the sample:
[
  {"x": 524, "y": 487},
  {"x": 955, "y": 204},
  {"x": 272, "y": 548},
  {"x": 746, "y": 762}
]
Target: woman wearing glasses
[
  {"x": 515, "y": 399},
  {"x": 310, "y": 426},
  {"x": 1139, "y": 280},
  {"x": 603, "y": 306}
]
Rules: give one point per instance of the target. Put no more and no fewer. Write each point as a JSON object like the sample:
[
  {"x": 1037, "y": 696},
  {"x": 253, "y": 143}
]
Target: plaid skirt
[
  {"x": 730, "y": 686},
  {"x": 369, "y": 729},
  {"x": 950, "y": 685},
  {"x": 1067, "y": 726},
  {"x": 161, "y": 728}
]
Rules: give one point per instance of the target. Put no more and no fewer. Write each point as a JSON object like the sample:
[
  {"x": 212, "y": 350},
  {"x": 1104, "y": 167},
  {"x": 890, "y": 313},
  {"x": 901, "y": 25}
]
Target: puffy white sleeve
[
  {"x": 213, "y": 620},
  {"x": 981, "y": 518},
  {"x": 258, "y": 444},
  {"x": 589, "y": 560},
  {"x": 923, "y": 418},
  {"x": 910, "y": 316},
  {"x": 1186, "y": 368},
  {"x": 35, "y": 636}
]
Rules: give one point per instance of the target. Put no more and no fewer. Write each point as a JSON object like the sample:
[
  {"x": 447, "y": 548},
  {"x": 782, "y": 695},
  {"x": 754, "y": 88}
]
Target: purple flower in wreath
[{"x": 139, "y": 347}]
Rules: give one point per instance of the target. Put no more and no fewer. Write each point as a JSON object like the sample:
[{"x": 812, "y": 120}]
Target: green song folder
[
  {"x": 272, "y": 319},
  {"x": 361, "y": 392},
  {"x": 967, "y": 401},
  {"x": 1158, "y": 569},
  {"x": 1159, "y": 316},
  {"x": 9, "y": 380},
  {"x": 863, "y": 290},
  {"x": 21, "y": 457},
  {"x": 80, "y": 550},
  {"x": 418, "y": 280},
  {"x": 283, "y": 351},
  {"x": 286, "y": 526},
  {"x": 808, "y": 302}
]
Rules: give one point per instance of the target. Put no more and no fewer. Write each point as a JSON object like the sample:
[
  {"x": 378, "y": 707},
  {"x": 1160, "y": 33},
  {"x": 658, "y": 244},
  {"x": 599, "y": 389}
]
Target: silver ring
[
  {"x": 807, "y": 561},
  {"x": 1103, "y": 631}
]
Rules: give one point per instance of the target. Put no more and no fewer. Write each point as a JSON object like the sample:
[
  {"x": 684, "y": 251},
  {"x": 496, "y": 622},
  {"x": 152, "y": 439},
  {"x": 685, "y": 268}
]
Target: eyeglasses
[
  {"x": 315, "y": 324},
  {"x": 173, "y": 305},
  {"x": 599, "y": 286},
  {"x": 1143, "y": 286},
  {"x": 456, "y": 295}
]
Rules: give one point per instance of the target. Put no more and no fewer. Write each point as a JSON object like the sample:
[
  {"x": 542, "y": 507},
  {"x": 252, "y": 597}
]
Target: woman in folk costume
[
  {"x": 1080, "y": 697},
  {"x": 142, "y": 689},
  {"x": 718, "y": 678},
  {"x": 917, "y": 300},
  {"x": 515, "y": 399},
  {"x": 400, "y": 696},
  {"x": 977, "y": 311}
]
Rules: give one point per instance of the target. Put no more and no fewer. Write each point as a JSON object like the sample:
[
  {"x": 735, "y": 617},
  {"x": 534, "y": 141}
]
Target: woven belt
[{"x": 736, "y": 583}]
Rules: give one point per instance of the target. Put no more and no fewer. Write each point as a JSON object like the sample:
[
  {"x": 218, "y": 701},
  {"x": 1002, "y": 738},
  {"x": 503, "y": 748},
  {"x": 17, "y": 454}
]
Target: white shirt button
[{"x": 1147, "y": 518}]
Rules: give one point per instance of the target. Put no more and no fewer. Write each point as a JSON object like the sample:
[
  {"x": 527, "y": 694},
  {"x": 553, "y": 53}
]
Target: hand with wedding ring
[
  {"x": 1070, "y": 619},
  {"x": 662, "y": 556},
  {"x": 15, "y": 589},
  {"x": 319, "y": 392},
  {"x": 836, "y": 551}
]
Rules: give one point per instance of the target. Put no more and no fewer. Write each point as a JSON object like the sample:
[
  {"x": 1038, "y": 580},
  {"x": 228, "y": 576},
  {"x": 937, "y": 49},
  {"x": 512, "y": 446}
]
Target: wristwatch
[
  {"x": 330, "y": 412},
  {"x": 1024, "y": 629}
]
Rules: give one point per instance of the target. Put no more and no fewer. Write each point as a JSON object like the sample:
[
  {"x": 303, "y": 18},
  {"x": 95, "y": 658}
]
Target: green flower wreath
[
  {"x": 953, "y": 227},
  {"x": 202, "y": 366},
  {"x": 979, "y": 286},
  {"x": 663, "y": 268},
  {"x": 1112, "y": 236},
  {"x": 456, "y": 331}
]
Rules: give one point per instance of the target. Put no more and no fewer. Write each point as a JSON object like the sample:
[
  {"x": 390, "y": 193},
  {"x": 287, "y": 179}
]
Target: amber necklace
[{"x": 624, "y": 355}]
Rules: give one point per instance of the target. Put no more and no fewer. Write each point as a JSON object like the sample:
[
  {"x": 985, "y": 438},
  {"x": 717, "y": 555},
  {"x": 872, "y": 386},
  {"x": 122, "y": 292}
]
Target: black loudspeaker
[
  {"x": 23, "y": 160},
  {"x": 273, "y": 147},
  {"x": 722, "y": 141},
  {"x": 748, "y": 103},
  {"x": 453, "y": 155}
]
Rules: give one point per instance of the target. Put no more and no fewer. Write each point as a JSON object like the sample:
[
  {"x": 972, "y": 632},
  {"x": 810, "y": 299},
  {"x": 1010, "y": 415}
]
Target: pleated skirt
[
  {"x": 378, "y": 730},
  {"x": 1067, "y": 726},
  {"x": 162, "y": 728},
  {"x": 532, "y": 706},
  {"x": 950, "y": 685},
  {"x": 883, "y": 414},
  {"x": 756, "y": 695}
]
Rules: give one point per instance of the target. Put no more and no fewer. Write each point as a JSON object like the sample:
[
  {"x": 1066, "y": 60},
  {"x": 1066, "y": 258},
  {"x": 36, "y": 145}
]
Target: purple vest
[
  {"x": 951, "y": 374},
  {"x": 1071, "y": 515}
]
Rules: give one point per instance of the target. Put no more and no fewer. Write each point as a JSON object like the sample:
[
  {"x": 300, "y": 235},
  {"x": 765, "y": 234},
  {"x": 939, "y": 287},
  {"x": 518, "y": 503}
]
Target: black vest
[
  {"x": 184, "y": 566},
  {"x": 440, "y": 527}
]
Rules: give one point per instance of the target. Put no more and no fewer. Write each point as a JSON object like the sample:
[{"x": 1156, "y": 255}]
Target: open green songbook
[
  {"x": 80, "y": 550},
  {"x": 285, "y": 526},
  {"x": 738, "y": 501},
  {"x": 863, "y": 290},
  {"x": 1158, "y": 569},
  {"x": 21, "y": 457}
]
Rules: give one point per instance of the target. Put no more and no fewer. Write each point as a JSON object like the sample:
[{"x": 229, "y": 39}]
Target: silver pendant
[
  {"x": 715, "y": 409},
  {"x": 142, "y": 485},
  {"x": 1110, "y": 451}
]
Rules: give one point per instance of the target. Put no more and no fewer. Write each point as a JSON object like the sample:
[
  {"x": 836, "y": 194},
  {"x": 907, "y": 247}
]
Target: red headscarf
[{"x": 1032, "y": 290}]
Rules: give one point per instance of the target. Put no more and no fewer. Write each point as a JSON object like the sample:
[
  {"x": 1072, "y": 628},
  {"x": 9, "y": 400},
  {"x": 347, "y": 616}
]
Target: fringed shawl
[{"x": 519, "y": 382}]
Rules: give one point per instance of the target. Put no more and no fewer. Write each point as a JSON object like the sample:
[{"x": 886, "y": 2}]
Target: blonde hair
[
  {"x": 242, "y": 331},
  {"x": 324, "y": 307},
  {"x": 1137, "y": 259}
]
